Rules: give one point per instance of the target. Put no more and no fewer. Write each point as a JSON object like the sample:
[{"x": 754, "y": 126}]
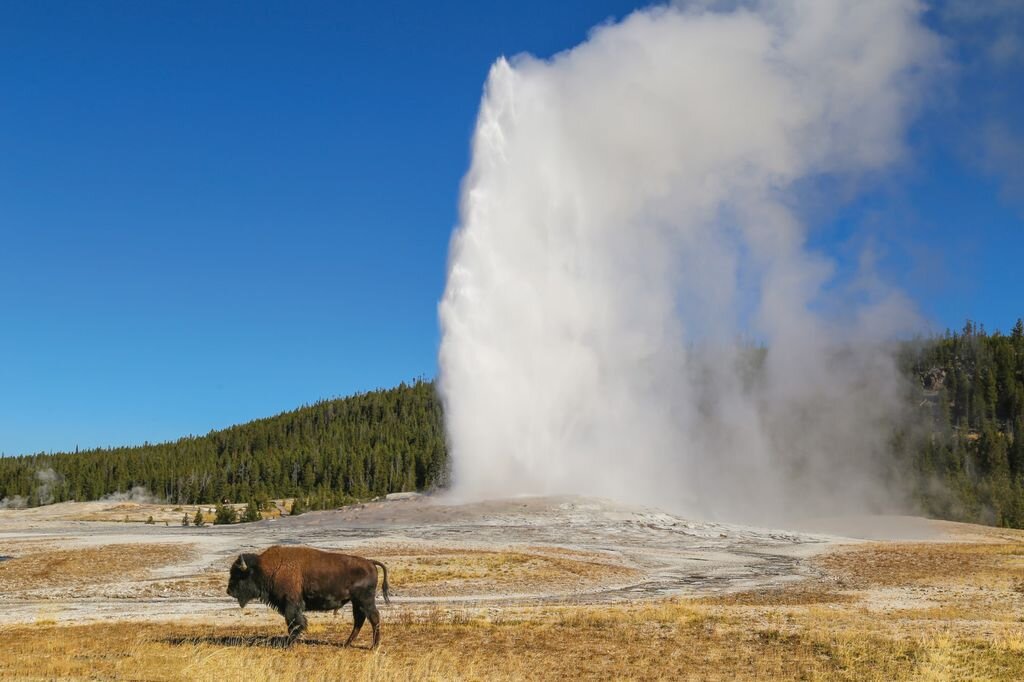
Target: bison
[{"x": 294, "y": 580}]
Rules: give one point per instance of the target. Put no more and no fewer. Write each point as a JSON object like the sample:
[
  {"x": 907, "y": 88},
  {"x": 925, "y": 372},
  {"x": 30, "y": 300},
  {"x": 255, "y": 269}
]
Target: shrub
[
  {"x": 225, "y": 514},
  {"x": 252, "y": 513}
]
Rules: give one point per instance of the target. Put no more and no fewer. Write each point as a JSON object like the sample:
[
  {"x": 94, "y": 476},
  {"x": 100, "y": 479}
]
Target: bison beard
[{"x": 294, "y": 580}]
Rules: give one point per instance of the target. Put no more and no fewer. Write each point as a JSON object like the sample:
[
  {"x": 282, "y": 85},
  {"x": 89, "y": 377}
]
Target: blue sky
[{"x": 213, "y": 212}]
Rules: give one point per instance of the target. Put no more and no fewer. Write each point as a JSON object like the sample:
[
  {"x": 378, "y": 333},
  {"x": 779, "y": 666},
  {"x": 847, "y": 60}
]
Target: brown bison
[{"x": 293, "y": 580}]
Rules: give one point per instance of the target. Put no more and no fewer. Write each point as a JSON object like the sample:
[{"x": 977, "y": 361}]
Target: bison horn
[{"x": 242, "y": 565}]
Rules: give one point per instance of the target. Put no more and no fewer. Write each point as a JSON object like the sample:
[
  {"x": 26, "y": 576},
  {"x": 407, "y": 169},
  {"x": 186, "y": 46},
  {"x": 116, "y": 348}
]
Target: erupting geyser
[{"x": 629, "y": 215}]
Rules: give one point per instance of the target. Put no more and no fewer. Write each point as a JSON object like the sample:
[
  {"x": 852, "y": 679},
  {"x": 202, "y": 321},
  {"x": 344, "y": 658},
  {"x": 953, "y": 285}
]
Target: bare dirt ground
[{"x": 867, "y": 598}]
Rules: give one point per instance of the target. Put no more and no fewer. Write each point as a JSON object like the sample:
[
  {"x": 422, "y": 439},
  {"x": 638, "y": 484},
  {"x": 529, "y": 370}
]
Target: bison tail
[{"x": 384, "y": 589}]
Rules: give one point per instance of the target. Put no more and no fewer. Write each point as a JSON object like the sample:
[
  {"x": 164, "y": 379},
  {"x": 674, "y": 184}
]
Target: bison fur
[{"x": 293, "y": 580}]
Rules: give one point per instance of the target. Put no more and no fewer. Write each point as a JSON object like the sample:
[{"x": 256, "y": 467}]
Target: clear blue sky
[{"x": 212, "y": 212}]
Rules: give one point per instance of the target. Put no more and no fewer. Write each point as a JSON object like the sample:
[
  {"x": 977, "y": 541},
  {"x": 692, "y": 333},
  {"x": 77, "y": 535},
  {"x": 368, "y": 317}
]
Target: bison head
[{"x": 244, "y": 583}]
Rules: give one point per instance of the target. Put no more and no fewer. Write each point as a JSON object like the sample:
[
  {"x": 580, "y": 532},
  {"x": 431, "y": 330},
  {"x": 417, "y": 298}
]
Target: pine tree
[
  {"x": 198, "y": 520},
  {"x": 326, "y": 445},
  {"x": 225, "y": 514},
  {"x": 252, "y": 513},
  {"x": 1015, "y": 455}
]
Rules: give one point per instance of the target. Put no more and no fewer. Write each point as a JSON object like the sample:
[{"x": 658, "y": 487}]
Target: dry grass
[
  {"x": 208, "y": 584},
  {"x": 984, "y": 565},
  {"x": 438, "y": 571},
  {"x": 801, "y": 594},
  {"x": 139, "y": 512},
  {"x": 39, "y": 566},
  {"x": 966, "y": 625},
  {"x": 669, "y": 640}
]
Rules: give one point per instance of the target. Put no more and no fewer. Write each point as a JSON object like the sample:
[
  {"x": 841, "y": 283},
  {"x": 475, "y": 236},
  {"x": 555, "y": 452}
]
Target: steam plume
[
  {"x": 47, "y": 479},
  {"x": 630, "y": 212},
  {"x": 15, "y": 502},
  {"x": 139, "y": 493}
]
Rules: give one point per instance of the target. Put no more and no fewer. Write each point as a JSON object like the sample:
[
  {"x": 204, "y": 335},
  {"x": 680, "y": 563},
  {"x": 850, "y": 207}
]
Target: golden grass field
[
  {"x": 441, "y": 570},
  {"x": 880, "y": 611},
  {"x": 47, "y": 567}
]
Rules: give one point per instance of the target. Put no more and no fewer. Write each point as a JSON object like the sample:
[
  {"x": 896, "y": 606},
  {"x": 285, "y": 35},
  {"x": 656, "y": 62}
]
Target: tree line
[
  {"x": 963, "y": 455},
  {"x": 325, "y": 454},
  {"x": 968, "y": 463}
]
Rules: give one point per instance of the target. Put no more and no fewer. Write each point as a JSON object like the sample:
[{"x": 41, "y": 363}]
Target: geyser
[{"x": 630, "y": 213}]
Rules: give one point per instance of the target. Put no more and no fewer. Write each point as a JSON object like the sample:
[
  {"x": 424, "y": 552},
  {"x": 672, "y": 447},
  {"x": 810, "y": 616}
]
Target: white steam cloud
[
  {"x": 15, "y": 502},
  {"x": 630, "y": 213},
  {"x": 139, "y": 493},
  {"x": 47, "y": 479}
]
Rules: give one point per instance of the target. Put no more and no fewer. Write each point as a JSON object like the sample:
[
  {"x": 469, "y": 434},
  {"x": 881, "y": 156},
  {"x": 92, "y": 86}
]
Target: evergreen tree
[
  {"x": 252, "y": 513},
  {"x": 324, "y": 446},
  {"x": 1015, "y": 453},
  {"x": 225, "y": 514}
]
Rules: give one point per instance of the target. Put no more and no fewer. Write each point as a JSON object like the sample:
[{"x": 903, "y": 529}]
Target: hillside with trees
[
  {"x": 968, "y": 463},
  {"x": 325, "y": 454},
  {"x": 963, "y": 455}
]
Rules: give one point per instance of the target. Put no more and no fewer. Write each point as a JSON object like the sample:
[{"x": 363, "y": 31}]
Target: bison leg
[
  {"x": 374, "y": 616},
  {"x": 358, "y": 618},
  {"x": 296, "y": 621}
]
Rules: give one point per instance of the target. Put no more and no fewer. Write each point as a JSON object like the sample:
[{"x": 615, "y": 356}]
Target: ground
[{"x": 533, "y": 588}]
